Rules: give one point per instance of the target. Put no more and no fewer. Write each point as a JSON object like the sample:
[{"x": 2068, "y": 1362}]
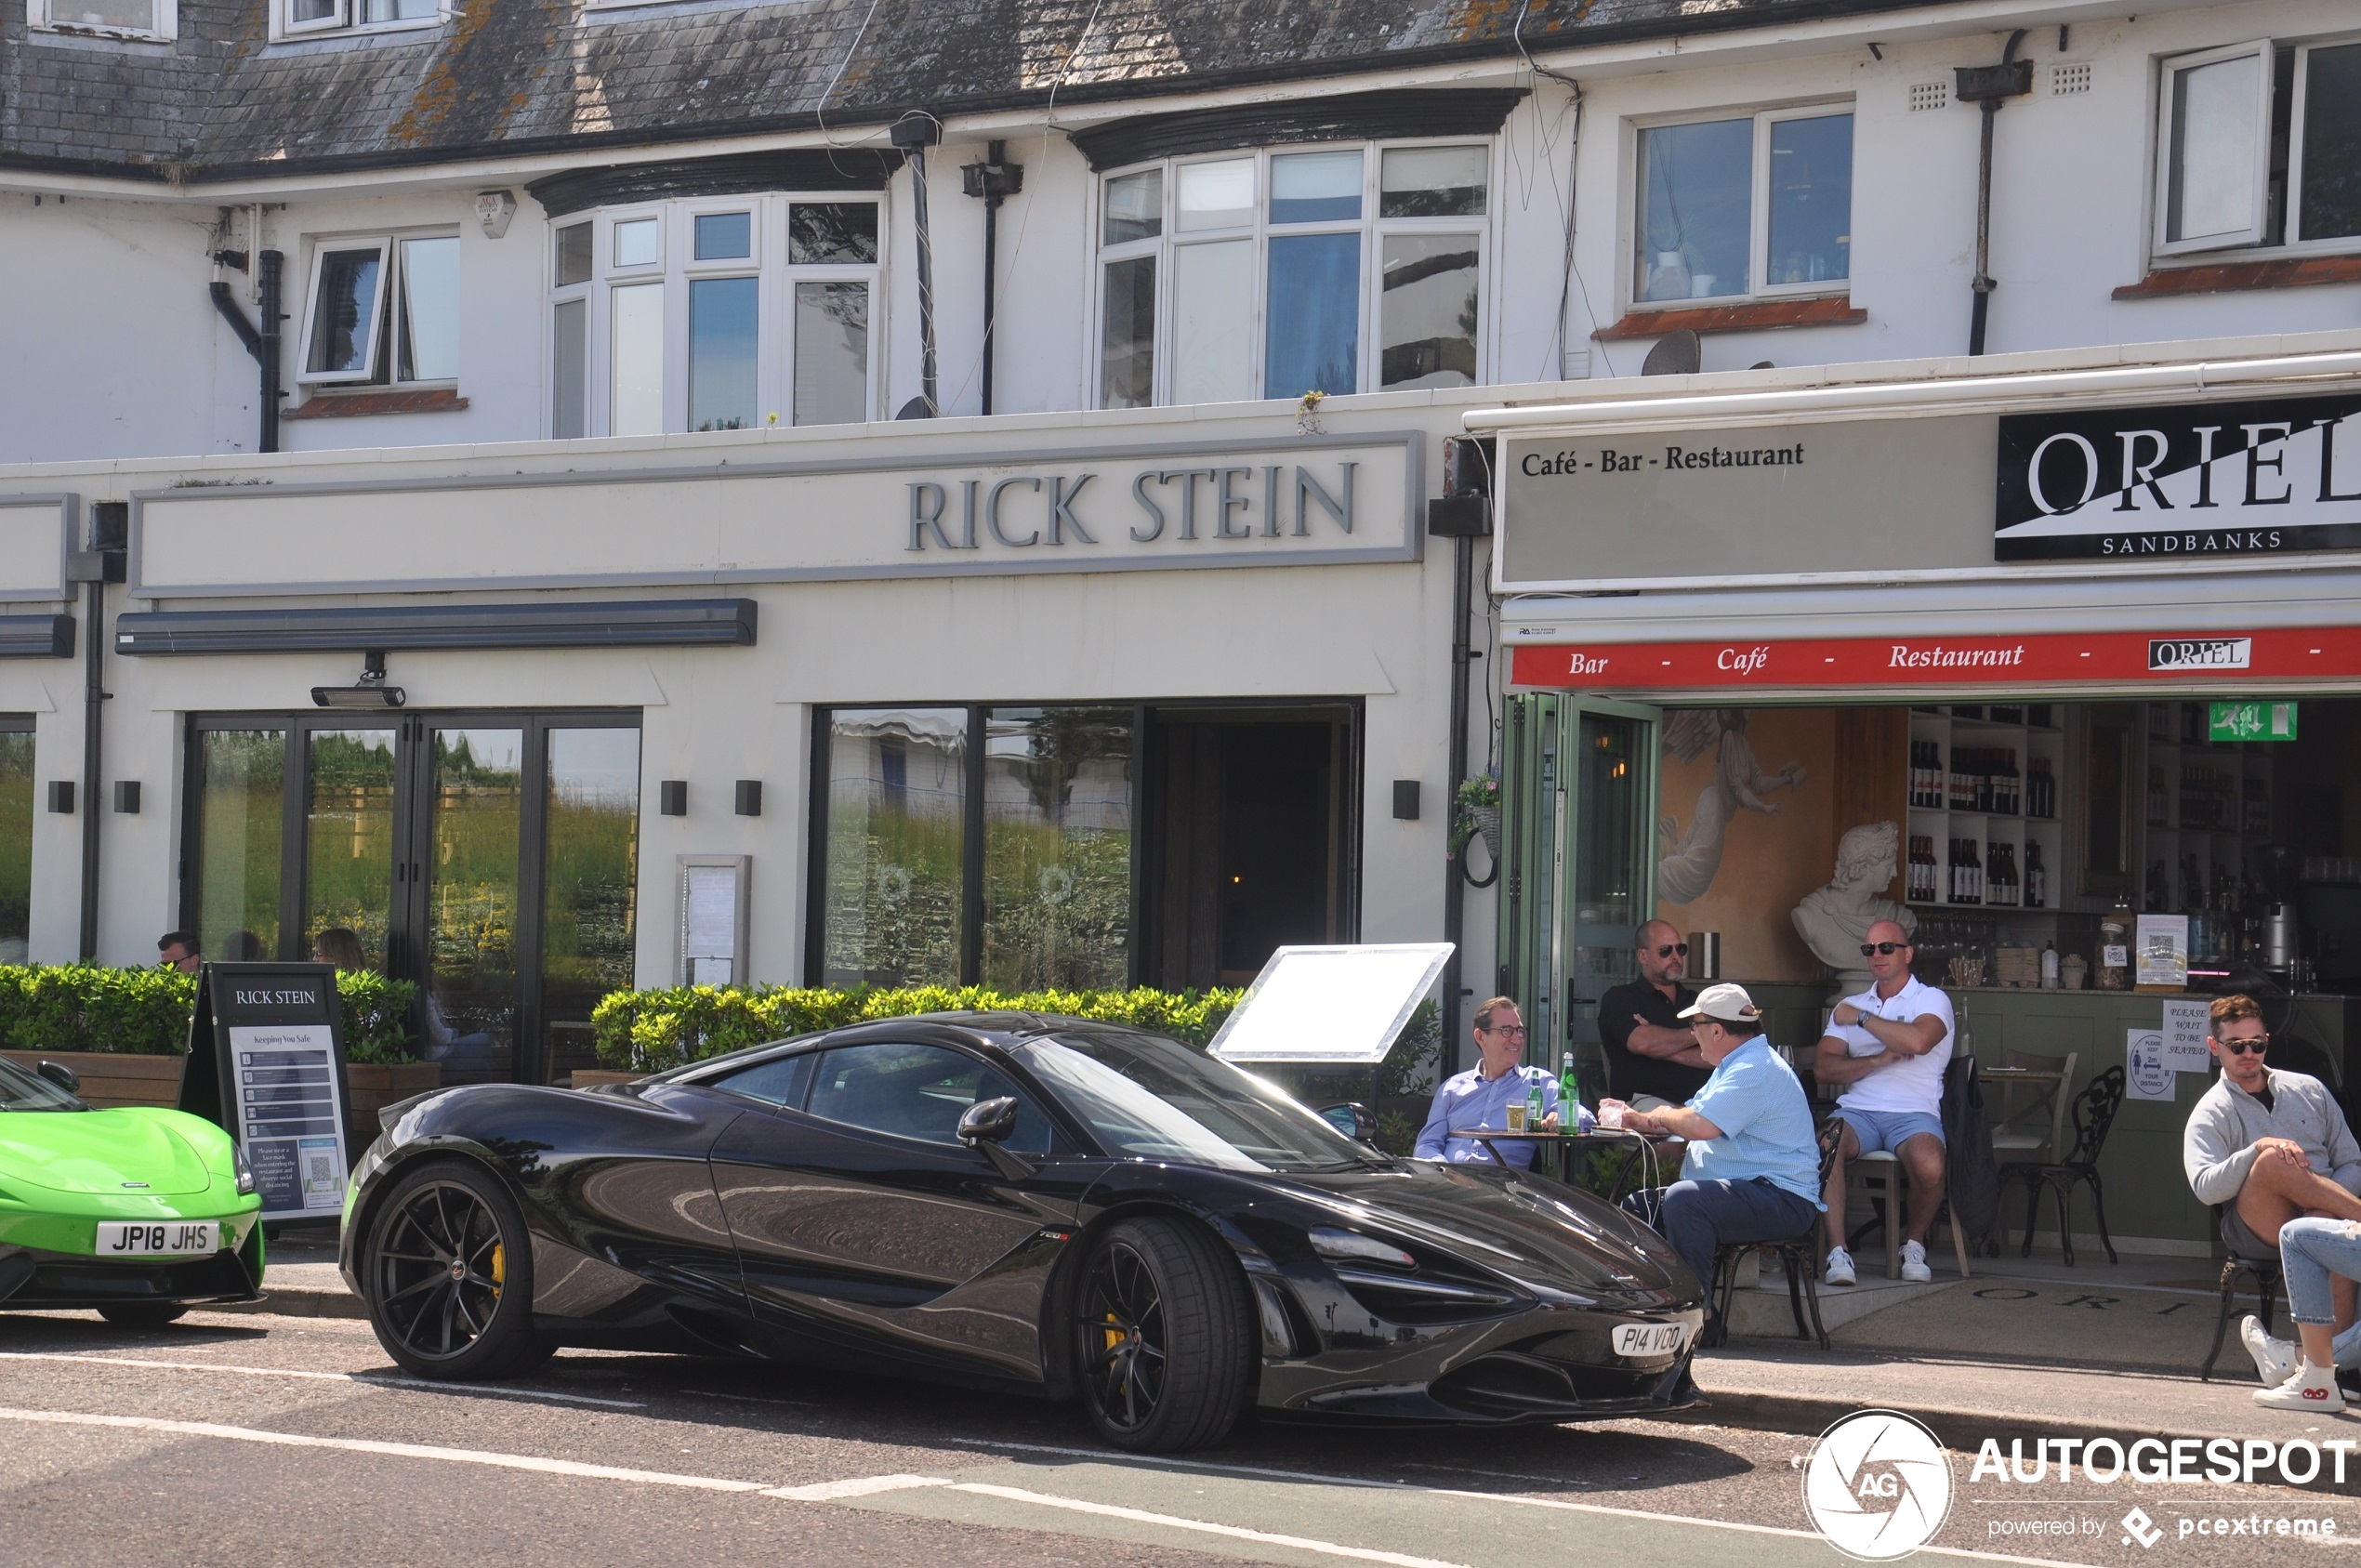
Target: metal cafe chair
[
  {"x": 1799, "y": 1255},
  {"x": 2263, "y": 1272},
  {"x": 2094, "y": 1111},
  {"x": 2015, "y": 1142}
]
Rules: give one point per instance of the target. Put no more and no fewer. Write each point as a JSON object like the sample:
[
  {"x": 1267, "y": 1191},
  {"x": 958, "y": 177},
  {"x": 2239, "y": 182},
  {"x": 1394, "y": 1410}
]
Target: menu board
[{"x": 266, "y": 1061}]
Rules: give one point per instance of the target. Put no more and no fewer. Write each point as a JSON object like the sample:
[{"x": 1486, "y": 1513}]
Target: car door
[{"x": 862, "y": 1221}]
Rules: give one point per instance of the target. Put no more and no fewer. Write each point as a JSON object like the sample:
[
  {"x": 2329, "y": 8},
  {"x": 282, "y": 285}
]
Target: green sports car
[{"x": 137, "y": 1212}]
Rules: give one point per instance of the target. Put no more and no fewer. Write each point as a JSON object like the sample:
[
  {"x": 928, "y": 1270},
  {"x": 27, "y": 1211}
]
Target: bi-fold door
[{"x": 491, "y": 858}]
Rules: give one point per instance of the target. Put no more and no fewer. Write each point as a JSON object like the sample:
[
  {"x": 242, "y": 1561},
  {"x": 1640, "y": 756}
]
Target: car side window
[
  {"x": 780, "y": 1081},
  {"x": 919, "y": 1091}
]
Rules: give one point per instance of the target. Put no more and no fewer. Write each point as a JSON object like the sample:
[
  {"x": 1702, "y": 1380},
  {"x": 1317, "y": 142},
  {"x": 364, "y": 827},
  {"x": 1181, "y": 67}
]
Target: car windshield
[
  {"x": 1155, "y": 1099},
  {"x": 20, "y": 1091}
]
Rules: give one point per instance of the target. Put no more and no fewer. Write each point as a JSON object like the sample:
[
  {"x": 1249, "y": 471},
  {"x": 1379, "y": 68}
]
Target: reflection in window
[
  {"x": 470, "y": 1007},
  {"x": 1695, "y": 192},
  {"x": 1213, "y": 322},
  {"x": 831, "y": 353},
  {"x": 569, "y": 369},
  {"x": 1312, "y": 331},
  {"x": 1135, "y": 207},
  {"x": 2329, "y": 205},
  {"x": 1058, "y": 812},
  {"x": 832, "y": 233},
  {"x": 1811, "y": 200},
  {"x": 896, "y": 846},
  {"x": 428, "y": 328},
  {"x": 1431, "y": 181},
  {"x": 637, "y": 241},
  {"x": 1128, "y": 357},
  {"x": 635, "y": 349},
  {"x": 590, "y": 883},
  {"x": 918, "y": 1091},
  {"x": 240, "y": 818},
  {"x": 721, "y": 353},
  {"x": 1217, "y": 196},
  {"x": 2213, "y": 187},
  {"x": 1430, "y": 293},
  {"x": 574, "y": 255},
  {"x": 724, "y": 236},
  {"x": 344, "y": 314},
  {"x": 348, "y": 837},
  {"x": 1316, "y": 188},
  {"x": 16, "y": 842}
]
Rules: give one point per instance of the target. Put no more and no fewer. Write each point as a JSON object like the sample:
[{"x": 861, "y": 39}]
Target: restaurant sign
[
  {"x": 2060, "y": 659},
  {"x": 2163, "y": 483}
]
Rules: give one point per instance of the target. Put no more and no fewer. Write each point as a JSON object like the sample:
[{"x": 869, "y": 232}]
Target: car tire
[
  {"x": 471, "y": 1321},
  {"x": 144, "y": 1314},
  {"x": 1165, "y": 1337}
]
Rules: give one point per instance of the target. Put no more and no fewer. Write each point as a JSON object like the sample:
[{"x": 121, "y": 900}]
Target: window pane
[
  {"x": 240, "y": 800},
  {"x": 1697, "y": 209},
  {"x": 1430, "y": 310},
  {"x": 1126, "y": 353},
  {"x": 831, "y": 353},
  {"x": 722, "y": 354},
  {"x": 301, "y": 12},
  {"x": 1313, "y": 337},
  {"x": 590, "y": 888},
  {"x": 574, "y": 255},
  {"x": 722, "y": 236},
  {"x": 1213, "y": 322},
  {"x": 896, "y": 846},
  {"x": 1135, "y": 207},
  {"x": 470, "y": 1007},
  {"x": 1811, "y": 199},
  {"x": 349, "y": 838},
  {"x": 344, "y": 318},
  {"x": 569, "y": 369},
  {"x": 395, "y": 10},
  {"x": 15, "y": 844},
  {"x": 1431, "y": 181},
  {"x": 429, "y": 309},
  {"x": 832, "y": 233},
  {"x": 916, "y": 1091},
  {"x": 635, "y": 348},
  {"x": 780, "y": 1081},
  {"x": 2215, "y": 111},
  {"x": 635, "y": 243},
  {"x": 1315, "y": 187},
  {"x": 1056, "y": 849},
  {"x": 138, "y": 15},
  {"x": 2332, "y": 143},
  {"x": 1217, "y": 196}
]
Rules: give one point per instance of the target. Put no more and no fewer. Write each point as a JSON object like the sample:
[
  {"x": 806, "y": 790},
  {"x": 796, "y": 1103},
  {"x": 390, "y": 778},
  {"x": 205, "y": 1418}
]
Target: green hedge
[{"x": 145, "y": 1012}]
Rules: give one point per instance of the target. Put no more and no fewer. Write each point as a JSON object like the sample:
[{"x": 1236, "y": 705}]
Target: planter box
[
  {"x": 586, "y": 1076},
  {"x": 369, "y": 1088},
  {"x": 110, "y": 1078}
]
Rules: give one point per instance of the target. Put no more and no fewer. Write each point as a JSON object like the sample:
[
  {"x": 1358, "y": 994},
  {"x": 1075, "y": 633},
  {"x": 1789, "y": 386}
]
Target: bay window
[
  {"x": 713, "y": 316},
  {"x": 382, "y": 310},
  {"x": 2256, "y": 145},
  {"x": 1274, "y": 273},
  {"x": 1742, "y": 206}
]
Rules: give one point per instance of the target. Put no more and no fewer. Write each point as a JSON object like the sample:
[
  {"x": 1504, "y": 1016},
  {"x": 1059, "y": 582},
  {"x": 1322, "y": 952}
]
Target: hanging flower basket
[{"x": 1475, "y": 810}]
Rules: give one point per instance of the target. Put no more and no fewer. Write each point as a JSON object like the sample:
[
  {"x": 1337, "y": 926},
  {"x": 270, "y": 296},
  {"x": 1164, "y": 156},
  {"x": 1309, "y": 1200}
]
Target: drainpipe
[
  {"x": 95, "y": 568},
  {"x": 1463, "y": 516},
  {"x": 993, "y": 180},
  {"x": 914, "y": 133},
  {"x": 1988, "y": 86},
  {"x": 261, "y": 342}
]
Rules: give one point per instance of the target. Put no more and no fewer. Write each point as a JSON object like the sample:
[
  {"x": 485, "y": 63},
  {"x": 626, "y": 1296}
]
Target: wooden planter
[
  {"x": 586, "y": 1076},
  {"x": 111, "y": 1078},
  {"x": 369, "y": 1088}
]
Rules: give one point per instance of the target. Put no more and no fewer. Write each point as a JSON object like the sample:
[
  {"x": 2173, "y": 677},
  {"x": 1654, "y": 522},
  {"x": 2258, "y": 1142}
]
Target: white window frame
[
  {"x": 284, "y": 26},
  {"x": 677, "y": 268},
  {"x": 1373, "y": 229},
  {"x": 2251, "y": 235},
  {"x": 1757, "y": 206},
  {"x": 165, "y": 15},
  {"x": 385, "y": 325},
  {"x": 2295, "y": 239}
]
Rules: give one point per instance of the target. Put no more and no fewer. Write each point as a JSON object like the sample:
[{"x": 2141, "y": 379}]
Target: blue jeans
[
  {"x": 1697, "y": 1217},
  {"x": 2310, "y": 1252}
]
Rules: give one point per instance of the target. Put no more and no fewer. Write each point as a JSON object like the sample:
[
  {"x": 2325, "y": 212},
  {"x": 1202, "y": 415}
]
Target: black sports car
[{"x": 1048, "y": 1204}]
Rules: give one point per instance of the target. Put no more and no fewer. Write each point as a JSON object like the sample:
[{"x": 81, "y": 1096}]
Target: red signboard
[{"x": 2166, "y": 659}]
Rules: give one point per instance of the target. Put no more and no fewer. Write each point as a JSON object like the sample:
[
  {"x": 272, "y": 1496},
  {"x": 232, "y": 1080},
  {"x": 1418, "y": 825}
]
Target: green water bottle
[
  {"x": 1533, "y": 1111},
  {"x": 1569, "y": 1092}
]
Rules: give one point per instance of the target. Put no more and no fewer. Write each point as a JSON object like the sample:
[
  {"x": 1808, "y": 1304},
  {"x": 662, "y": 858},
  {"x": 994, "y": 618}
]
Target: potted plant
[{"x": 1475, "y": 810}]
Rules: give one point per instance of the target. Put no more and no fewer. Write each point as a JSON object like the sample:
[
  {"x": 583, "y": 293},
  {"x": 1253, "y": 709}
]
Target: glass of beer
[{"x": 1516, "y": 1116}]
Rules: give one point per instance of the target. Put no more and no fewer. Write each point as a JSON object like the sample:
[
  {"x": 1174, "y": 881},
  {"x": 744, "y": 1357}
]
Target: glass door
[
  {"x": 589, "y": 921},
  {"x": 349, "y": 827},
  {"x": 474, "y": 833}
]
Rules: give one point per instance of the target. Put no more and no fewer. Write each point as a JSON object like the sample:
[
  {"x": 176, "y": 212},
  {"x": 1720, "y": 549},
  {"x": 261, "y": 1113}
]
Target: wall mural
[{"x": 1689, "y": 858}]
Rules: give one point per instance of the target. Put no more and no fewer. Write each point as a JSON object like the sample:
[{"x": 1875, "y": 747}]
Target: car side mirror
[
  {"x": 1351, "y": 1118},
  {"x": 983, "y": 1124},
  {"x": 64, "y": 1076}
]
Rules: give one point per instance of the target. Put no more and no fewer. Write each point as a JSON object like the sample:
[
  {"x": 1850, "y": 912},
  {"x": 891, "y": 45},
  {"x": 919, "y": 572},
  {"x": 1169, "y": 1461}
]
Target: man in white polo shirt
[{"x": 1889, "y": 1046}]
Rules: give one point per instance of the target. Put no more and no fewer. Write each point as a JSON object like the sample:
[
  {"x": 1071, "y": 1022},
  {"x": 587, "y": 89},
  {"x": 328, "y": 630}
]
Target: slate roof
[{"x": 531, "y": 76}]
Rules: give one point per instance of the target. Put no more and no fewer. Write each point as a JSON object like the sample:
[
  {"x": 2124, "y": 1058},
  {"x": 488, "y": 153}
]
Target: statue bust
[{"x": 1833, "y": 919}]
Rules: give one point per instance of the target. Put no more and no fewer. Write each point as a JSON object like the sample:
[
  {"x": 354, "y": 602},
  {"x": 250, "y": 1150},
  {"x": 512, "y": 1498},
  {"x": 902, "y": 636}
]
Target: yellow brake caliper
[
  {"x": 1115, "y": 1336},
  {"x": 500, "y": 1269}
]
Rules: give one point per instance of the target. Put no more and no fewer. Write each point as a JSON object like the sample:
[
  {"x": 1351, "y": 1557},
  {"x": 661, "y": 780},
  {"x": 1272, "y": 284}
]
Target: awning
[{"x": 678, "y": 622}]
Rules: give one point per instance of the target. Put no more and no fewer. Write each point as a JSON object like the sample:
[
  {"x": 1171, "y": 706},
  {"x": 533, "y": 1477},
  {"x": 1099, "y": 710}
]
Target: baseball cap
[{"x": 1724, "y": 1003}]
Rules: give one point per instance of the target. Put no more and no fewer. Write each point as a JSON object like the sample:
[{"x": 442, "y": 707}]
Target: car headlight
[
  {"x": 1330, "y": 1242},
  {"x": 239, "y": 1163}
]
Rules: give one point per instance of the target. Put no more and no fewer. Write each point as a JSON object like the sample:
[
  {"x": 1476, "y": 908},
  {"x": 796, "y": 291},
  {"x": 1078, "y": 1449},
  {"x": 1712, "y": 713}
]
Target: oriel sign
[{"x": 2201, "y": 481}]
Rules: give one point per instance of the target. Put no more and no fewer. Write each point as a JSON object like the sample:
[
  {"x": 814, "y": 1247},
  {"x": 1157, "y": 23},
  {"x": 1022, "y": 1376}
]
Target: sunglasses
[
  {"x": 2258, "y": 1044},
  {"x": 1669, "y": 948},
  {"x": 1887, "y": 947}
]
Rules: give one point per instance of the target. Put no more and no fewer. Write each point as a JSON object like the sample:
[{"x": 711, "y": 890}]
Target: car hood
[
  {"x": 99, "y": 1152},
  {"x": 1538, "y": 1231}
]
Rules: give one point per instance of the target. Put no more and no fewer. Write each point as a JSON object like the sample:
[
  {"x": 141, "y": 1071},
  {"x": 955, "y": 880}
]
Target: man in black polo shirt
[{"x": 1652, "y": 1055}]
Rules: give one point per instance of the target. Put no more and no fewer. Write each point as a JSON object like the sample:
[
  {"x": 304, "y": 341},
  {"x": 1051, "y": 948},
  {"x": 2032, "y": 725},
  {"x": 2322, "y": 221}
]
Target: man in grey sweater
[{"x": 2272, "y": 1146}]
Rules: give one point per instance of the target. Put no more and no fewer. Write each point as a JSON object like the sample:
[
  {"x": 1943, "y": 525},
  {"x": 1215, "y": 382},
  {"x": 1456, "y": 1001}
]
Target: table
[
  {"x": 2008, "y": 1078},
  {"x": 1635, "y": 1142}
]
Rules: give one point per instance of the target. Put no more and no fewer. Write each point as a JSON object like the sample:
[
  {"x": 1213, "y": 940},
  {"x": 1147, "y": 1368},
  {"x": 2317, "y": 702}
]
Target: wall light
[{"x": 369, "y": 692}]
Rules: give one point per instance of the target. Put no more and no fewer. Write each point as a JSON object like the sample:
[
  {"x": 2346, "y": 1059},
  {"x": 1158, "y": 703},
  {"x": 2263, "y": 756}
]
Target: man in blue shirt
[
  {"x": 1480, "y": 1097},
  {"x": 1752, "y": 1172}
]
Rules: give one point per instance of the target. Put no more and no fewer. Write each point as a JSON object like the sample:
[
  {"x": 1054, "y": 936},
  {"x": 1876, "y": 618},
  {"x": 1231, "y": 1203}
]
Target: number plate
[
  {"x": 167, "y": 1238},
  {"x": 1650, "y": 1338}
]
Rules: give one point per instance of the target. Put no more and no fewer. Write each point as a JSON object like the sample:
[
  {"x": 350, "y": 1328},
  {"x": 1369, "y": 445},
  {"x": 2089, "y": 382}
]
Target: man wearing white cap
[{"x": 1752, "y": 1172}]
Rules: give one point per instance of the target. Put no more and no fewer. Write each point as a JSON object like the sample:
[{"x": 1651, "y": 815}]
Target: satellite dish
[
  {"x": 916, "y": 409},
  {"x": 1676, "y": 353}
]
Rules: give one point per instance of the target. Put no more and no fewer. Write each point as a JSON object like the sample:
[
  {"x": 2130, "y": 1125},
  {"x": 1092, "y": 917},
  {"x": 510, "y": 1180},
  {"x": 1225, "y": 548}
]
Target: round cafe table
[{"x": 1563, "y": 1143}]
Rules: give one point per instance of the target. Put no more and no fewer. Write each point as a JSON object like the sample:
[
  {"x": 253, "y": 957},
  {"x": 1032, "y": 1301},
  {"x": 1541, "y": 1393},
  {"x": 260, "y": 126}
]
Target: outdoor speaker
[
  {"x": 672, "y": 797},
  {"x": 1406, "y": 800},
  {"x": 62, "y": 797},
  {"x": 127, "y": 798},
  {"x": 749, "y": 798}
]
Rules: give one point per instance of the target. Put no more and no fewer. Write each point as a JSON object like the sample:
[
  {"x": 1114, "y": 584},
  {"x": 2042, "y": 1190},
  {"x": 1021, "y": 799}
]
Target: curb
[{"x": 299, "y": 1301}]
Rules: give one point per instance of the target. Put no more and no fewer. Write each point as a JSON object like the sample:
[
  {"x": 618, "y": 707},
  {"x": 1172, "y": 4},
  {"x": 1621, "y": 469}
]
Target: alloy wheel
[
  {"x": 438, "y": 1270},
  {"x": 1123, "y": 1337}
]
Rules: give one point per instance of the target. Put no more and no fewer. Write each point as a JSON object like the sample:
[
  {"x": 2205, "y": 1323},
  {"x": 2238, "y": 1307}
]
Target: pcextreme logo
[{"x": 1878, "y": 1485}]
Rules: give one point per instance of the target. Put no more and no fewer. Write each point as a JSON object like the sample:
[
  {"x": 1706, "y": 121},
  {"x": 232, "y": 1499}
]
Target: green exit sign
[{"x": 2252, "y": 721}]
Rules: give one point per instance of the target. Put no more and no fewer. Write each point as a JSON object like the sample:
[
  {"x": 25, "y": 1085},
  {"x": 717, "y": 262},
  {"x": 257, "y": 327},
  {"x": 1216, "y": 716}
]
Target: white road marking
[
  {"x": 366, "y": 1379},
  {"x": 394, "y": 1449},
  {"x": 1172, "y": 1521},
  {"x": 829, "y": 1491},
  {"x": 747, "y": 1399}
]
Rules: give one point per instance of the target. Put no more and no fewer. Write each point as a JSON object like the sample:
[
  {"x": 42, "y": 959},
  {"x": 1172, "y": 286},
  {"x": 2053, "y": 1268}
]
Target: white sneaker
[
  {"x": 2313, "y": 1388},
  {"x": 2275, "y": 1361},
  {"x": 1839, "y": 1267},
  {"x": 1914, "y": 1263}
]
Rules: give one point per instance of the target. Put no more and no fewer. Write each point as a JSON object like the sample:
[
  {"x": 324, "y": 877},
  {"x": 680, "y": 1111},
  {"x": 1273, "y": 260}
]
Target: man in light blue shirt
[
  {"x": 1752, "y": 1172},
  {"x": 1480, "y": 1098}
]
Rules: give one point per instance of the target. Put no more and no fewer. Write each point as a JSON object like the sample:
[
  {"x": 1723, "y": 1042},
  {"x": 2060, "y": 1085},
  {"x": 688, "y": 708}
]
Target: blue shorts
[{"x": 1888, "y": 1131}]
